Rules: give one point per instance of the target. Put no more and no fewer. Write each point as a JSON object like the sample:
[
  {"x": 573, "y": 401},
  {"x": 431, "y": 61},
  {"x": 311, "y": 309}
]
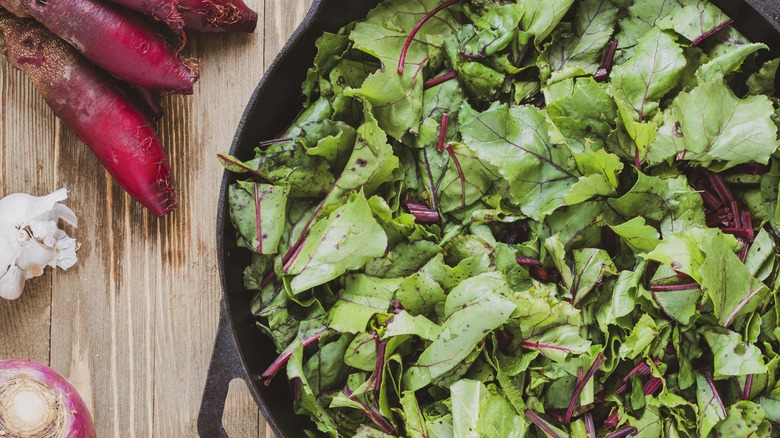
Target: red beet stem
[
  {"x": 445, "y": 120},
  {"x": 101, "y": 116},
  {"x": 720, "y": 188},
  {"x": 715, "y": 394},
  {"x": 266, "y": 143},
  {"x": 518, "y": 62},
  {"x": 528, "y": 261},
  {"x": 233, "y": 162},
  {"x": 417, "y": 27},
  {"x": 745, "y": 392},
  {"x": 623, "y": 431},
  {"x": 381, "y": 422},
  {"x": 422, "y": 214},
  {"x": 269, "y": 373},
  {"x": 674, "y": 287},
  {"x": 541, "y": 424},
  {"x": 712, "y": 32},
  {"x": 439, "y": 80},
  {"x": 462, "y": 177},
  {"x": 612, "y": 420},
  {"x": 590, "y": 427},
  {"x": 606, "y": 65},
  {"x": 543, "y": 347},
  {"x": 432, "y": 183},
  {"x": 581, "y": 385},
  {"x": 218, "y": 16},
  {"x": 652, "y": 386}
]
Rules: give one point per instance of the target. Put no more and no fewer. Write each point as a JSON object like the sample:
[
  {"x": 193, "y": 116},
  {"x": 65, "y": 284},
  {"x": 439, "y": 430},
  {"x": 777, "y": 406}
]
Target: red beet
[
  {"x": 164, "y": 10},
  {"x": 218, "y": 16},
  {"x": 85, "y": 99},
  {"x": 117, "y": 41}
]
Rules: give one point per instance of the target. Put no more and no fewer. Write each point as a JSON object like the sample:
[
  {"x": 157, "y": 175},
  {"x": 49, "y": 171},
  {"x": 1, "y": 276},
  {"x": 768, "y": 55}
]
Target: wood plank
[
  {"x": 132, "y": 325},
  {"x": 187, "y": 310},
  {"x": 27, "y": 155}
]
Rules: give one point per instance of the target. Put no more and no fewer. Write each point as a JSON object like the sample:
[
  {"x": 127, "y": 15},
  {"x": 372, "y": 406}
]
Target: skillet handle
[{"x": 225, "y": 366}]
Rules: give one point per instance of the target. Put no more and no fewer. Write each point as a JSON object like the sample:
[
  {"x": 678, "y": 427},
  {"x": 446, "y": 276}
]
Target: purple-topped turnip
[{"x": 36, "y": 402}]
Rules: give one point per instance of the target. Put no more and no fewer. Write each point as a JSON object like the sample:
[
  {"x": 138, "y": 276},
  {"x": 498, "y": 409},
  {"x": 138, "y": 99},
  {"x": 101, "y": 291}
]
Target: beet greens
[{"x": 497, "y": 221}]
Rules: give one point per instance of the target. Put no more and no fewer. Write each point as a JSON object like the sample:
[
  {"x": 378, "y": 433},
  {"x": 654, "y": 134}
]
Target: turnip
[
  {"x": 86, "y": 100},
  {"x": 35, "y": 401},
  {"x": 116, "y": 41}
]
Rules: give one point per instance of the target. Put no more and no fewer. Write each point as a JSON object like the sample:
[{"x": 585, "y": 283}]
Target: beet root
[
  {"x": 87, "y": 101},
  {"x": 218, "y": 16},
  {"x": 164, "y": 10},
  {"x": 117, "y": 41}
]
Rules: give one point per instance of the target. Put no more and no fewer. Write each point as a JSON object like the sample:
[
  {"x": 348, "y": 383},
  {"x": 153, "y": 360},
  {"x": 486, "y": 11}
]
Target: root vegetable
[
  {"x": 118, "y": 42},
  {"x": 35, "y": 401},
  {"x": 85, "y": 99},
  {"x": 164, "y": 10},
  {"x": 218, "y": 16}
]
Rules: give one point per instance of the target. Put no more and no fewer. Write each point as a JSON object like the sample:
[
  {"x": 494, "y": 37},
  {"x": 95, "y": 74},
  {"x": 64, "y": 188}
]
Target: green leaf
[
  {"x": 404, "y": 323},
  {"x": 386, "y": 28},
  {"x": 639, "y": 236},
  {"x": 577, "y": 51},
  {"x": 344, "y": 241},
  {"x": 680, "y": 305},
  {"x": 682, "y": 253},
  {"x": 717, "y": 129},
  {"x": 336, "y": 149},
  {"x": 733, "y": 357},
  {"x": 650, "y": 74},
  {"x": 547, "y": 324},
  {"x": 602, "y": 170},
  {"x": 761, "y": 256},
  {"x": 516, "y": 142},
  {"x": 726, "y": 61},
  {"x": 478, "y": 177},
  {"x": 396, "y": 101},
  {"x": 259, "y": 205},
  {"x": 727, "y": 281},
  {"x": 361, "y": 299},
  {"x": 479, "y": 412},
  {"x": 745, "y": 418},
  {"x": 763, "y": 81},
  {"x": 542, "y": 16},
  {"x": 586, "y": 116},
  {"x": 415, "y": 424},
  {"x": 642, "y": 336},
  {"x": 590, "y": 266},
  {"x": 474, "y": 308},
  {"x": 694, "y": 20},
  {"x": 671, "y": 202},
  {"x": 641, "y": 18},
  {"x": 711, "y": 409},
  {"x": 622, "y": 300}
]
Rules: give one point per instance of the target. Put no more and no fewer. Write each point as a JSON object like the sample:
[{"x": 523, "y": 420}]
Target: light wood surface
[{"x": 133, "y": 323}]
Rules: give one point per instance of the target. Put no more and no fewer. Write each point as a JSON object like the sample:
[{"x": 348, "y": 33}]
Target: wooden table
[{"x": 133, "y": 323}]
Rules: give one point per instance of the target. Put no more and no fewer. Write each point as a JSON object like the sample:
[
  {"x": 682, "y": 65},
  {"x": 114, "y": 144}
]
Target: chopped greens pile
[{"x": 524, "y": 218}]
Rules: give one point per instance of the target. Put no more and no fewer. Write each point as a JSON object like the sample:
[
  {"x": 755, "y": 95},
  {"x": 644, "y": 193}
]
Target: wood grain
[{"x": 133, "y": 323}]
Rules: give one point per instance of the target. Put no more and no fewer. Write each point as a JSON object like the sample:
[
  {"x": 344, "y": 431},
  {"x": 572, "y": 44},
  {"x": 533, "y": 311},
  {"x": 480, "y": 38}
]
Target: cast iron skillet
[{"x": 241, "y": 350}]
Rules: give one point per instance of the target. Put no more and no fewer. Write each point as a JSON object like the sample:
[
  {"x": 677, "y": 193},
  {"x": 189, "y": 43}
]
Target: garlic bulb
[{"x": 30, "y": 239}]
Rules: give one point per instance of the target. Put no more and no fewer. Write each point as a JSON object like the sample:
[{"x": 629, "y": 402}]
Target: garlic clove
[
  {"x": 12, "y": 283},
  {"x": 66, "y": 251},
  {"x": 36, "y": 255}
]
